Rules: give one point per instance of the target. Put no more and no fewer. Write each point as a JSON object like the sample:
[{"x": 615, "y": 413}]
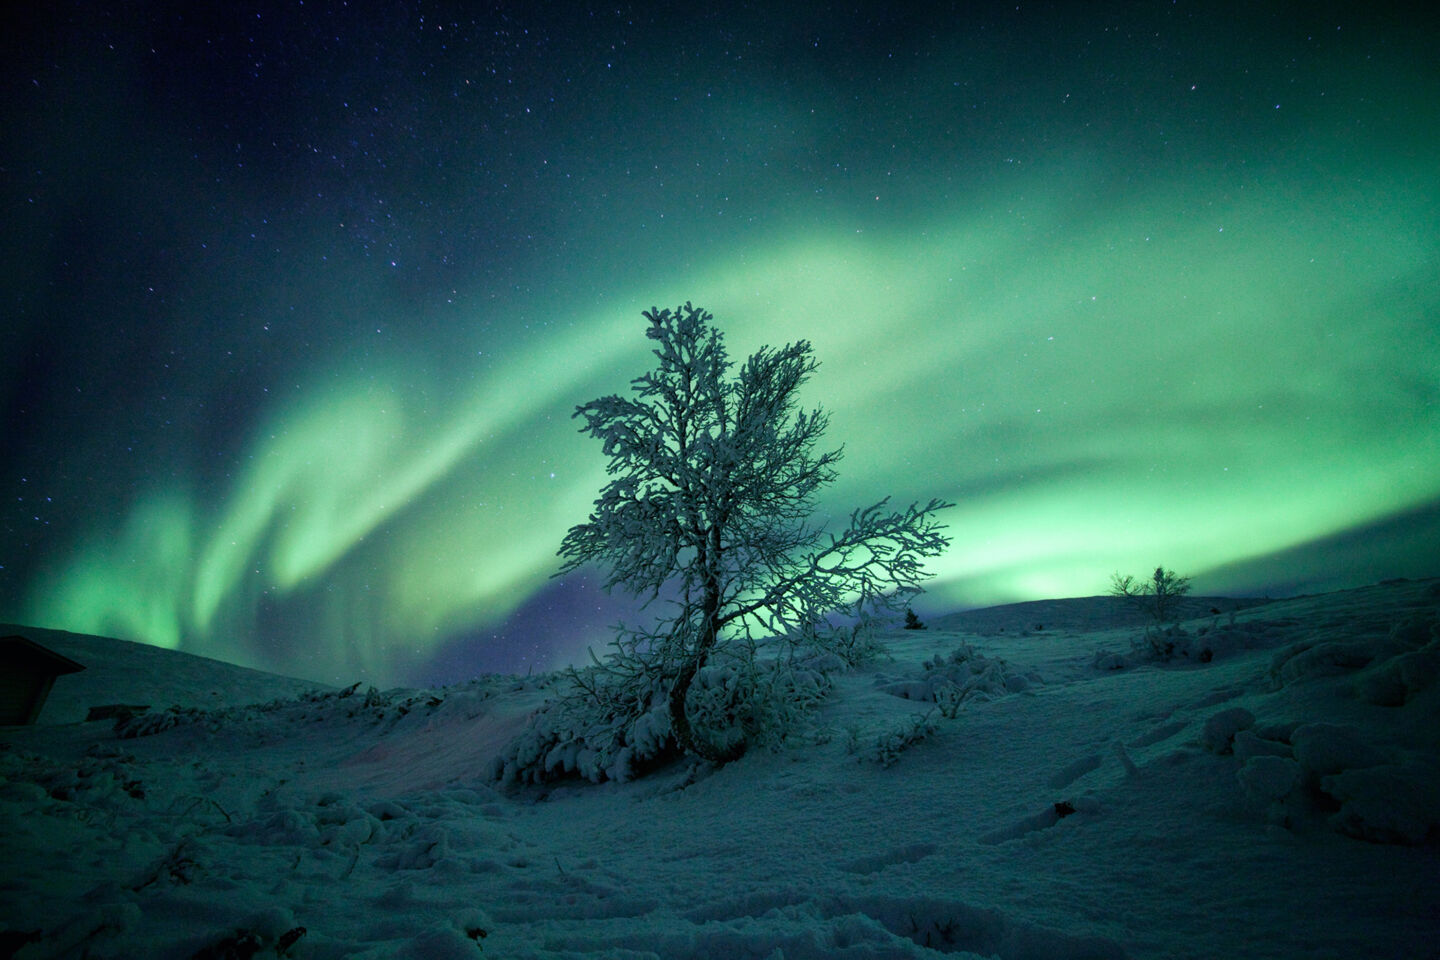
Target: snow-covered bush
[
  {"x": 856, "y": 642},
  {"x": 149, "y": 724},
  {"x": 949, "y": 698},
  {"x": 760, "y": 703},
  {"x": 952, "y": 681},
  {"x": 606, "y": 724},
  {"x": 615, "y": 726},
  {"x": 887, "y": 746},
  {"x": 1178, "y": 644}
]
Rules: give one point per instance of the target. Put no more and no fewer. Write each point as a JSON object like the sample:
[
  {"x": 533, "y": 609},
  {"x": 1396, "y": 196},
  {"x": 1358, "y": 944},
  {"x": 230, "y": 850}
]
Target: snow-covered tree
[{"x": 714, "y": 481}]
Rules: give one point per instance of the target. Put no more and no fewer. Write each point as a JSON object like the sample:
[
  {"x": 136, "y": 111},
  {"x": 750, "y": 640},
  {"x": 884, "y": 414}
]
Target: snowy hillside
[
  {"x": 120, "y": 671},
  {"x": 1270, "y": 790}
]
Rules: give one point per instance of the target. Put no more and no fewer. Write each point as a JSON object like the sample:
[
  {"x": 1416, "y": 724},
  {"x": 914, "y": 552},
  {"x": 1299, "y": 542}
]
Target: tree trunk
[
  {"x": 680, "y": 723},
  {"x": 679, "y": 716}
]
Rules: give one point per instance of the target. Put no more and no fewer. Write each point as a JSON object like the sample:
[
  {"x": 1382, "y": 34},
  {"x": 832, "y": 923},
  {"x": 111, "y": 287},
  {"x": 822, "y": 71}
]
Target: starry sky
[{"x": 299, "y": 298}]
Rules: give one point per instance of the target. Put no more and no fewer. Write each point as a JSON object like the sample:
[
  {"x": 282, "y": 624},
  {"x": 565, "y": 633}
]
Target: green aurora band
[{"x": 1170, "y": 378}]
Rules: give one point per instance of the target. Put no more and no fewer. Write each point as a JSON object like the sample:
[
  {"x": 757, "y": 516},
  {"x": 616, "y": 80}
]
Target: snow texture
[{"x": 1278, "y": 798}]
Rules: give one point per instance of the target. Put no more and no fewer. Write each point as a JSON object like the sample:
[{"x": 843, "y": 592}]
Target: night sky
[{"x": 299, "y": 298}]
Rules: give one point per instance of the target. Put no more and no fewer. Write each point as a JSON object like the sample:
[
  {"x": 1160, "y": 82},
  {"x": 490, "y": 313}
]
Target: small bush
[
  {"x": 963, "y": 676},
  {"x": 888, "y": 745}
]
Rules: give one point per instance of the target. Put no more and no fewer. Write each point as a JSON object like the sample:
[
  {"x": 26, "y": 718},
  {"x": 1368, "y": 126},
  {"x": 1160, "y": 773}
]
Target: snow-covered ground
[{"x": 1271, "y": 791}]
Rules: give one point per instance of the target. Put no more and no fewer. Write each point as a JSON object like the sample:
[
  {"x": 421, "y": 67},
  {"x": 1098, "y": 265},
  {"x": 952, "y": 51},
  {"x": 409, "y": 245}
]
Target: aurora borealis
[{"x": 299, "y": 298}]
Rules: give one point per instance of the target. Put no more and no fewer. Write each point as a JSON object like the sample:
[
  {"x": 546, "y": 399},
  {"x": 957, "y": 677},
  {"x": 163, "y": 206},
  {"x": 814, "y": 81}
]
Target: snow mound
[
  {"x": 1221, "y": 729},
  {"x": 1390, "y": 803}
]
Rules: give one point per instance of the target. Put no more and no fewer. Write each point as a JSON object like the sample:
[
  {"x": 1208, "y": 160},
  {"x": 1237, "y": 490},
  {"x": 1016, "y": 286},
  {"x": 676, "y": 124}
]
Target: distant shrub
[{"x": 913, "y": 622}]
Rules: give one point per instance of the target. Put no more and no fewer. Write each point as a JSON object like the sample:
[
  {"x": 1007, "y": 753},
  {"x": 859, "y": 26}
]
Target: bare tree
[
  {"x": 1159, "y": 596},
  {"x": 714, "y": 481}
]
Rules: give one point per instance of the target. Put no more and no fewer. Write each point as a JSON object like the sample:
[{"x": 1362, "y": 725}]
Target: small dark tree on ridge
[
  {"x": 1159, "y": 596},
  {"x": 714, "y": 481}
]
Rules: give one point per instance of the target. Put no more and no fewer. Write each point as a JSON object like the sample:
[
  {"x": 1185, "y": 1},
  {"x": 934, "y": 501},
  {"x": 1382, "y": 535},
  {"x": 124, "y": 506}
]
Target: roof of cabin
[{"x": 18, "y": 651}]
